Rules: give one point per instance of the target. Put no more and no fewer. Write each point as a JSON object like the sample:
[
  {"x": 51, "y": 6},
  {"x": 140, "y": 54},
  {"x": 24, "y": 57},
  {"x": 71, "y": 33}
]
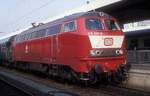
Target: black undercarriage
[{"x": 66, "y": 73}]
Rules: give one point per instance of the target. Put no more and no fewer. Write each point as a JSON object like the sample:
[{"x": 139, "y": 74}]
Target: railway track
[
  {"x": 98, "y": 90},
  {"x": 8, "y": 90},
  {"x": 30, "y": 86}
]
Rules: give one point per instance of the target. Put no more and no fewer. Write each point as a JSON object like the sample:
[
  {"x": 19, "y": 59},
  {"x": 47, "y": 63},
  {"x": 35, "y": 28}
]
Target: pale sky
[{"x": 18, "y": 14}]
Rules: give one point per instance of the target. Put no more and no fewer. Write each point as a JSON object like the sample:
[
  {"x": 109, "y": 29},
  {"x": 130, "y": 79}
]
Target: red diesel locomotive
[{"x": 84, "y": 46}]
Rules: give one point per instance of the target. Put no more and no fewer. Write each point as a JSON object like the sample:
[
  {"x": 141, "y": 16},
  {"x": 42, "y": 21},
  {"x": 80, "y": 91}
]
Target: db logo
[{"x": 108, "y": 41}]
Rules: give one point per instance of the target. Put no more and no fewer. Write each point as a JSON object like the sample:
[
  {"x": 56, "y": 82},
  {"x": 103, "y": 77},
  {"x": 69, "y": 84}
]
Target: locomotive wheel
[
  {"x": 120, "y": 75},
  {"x": 94, "y": 77}
]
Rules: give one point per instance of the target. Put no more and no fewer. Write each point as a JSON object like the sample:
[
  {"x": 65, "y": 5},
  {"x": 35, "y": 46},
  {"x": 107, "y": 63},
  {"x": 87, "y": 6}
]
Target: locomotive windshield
[
  {"x": 94, "y": 24},
  {"x": 112, "y": 25}
]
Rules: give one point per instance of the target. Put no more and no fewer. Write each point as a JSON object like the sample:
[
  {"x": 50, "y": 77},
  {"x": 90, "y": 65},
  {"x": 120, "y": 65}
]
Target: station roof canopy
[
  {"x": 138, "y": 33},
  {"x": 128, "y": 10}
]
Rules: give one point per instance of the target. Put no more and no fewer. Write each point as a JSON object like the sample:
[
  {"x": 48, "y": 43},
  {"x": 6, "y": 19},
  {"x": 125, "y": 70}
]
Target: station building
[{"x": 138, "y": 45}]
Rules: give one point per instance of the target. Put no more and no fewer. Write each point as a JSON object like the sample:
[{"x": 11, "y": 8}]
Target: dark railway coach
[{"x": 6, "y": 49}]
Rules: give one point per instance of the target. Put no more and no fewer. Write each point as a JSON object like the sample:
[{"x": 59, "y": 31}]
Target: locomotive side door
[
  {"x": 54, "y": 46},
  {"x": 55, "y": 42}
]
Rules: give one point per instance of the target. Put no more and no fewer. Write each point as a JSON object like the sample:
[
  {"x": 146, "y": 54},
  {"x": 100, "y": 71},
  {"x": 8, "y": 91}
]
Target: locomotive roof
[{"x": 66, "y": 18}]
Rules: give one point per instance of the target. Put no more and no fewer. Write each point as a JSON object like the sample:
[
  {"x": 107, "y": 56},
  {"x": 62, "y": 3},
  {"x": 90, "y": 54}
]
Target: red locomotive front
[
  {"x": 84, "y": 45},
  {"x": 102, "y": 47}
]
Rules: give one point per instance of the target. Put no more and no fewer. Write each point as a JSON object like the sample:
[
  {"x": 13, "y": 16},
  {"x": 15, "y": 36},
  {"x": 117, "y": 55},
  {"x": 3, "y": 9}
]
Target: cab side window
[
  {"x": 69, "y": 26},
  {"x": 54, "y": 29}
]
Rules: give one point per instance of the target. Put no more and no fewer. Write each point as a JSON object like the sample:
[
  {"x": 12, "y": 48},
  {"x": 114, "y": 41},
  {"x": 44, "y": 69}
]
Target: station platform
[{"x": 139, "y": 77}]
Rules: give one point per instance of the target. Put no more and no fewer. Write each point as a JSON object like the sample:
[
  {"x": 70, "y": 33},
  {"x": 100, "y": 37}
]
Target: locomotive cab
[{"x": 102, "y": 48}]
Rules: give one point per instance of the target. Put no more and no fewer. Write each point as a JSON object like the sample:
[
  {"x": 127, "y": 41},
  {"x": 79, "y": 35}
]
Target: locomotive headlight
[
  {"x": 96, "y": 52},
  {"x": 119, "y": 52},
  {"x": 92, "y": 52}
]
